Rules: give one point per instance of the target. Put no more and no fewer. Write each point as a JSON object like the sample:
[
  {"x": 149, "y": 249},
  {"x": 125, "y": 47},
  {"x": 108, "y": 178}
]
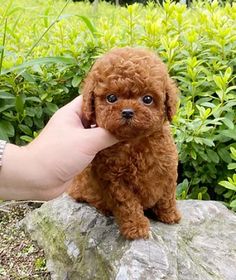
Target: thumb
[
  {"x": 102, "y": 138},
  {"x": 74, "y": 106}
]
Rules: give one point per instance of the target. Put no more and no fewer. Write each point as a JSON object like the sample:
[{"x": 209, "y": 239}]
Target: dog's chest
[
  {"x": 126, "y": 162},
  {"x": 141, "y": 167},
  {"x": 134, "y": 167}
]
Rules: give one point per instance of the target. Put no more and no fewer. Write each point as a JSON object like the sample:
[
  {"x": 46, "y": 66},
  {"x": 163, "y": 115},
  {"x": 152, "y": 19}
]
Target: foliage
[
  {"x": 48, "y": 47},
  {"x": 229, "y": 187}
]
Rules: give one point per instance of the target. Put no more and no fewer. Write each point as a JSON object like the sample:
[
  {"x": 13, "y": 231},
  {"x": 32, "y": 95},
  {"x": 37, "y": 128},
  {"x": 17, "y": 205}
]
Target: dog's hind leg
[{"x": 165, "y": 209}]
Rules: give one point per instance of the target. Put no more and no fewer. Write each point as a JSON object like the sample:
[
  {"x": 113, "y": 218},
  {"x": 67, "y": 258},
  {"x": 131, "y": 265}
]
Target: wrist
[
  {"x": 19, "y": 175},
  {"x": 2, "y": 148}
]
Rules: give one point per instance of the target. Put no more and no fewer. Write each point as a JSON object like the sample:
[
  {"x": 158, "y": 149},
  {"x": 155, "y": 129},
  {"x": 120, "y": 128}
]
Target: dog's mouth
[
  {"x": 125, "y": 129},
  {"x": 127, "y": 122}
]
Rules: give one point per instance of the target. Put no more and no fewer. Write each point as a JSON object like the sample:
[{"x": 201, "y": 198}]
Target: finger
[
  {"x": 75, "y": 105},
  {"x": 103, "y": 138}
]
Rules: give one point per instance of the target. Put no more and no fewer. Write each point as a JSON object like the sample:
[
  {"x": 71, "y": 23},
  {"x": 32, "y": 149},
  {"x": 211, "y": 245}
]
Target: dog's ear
[
  {"x": 171, "y": 98},
  {"x": 88, "y": 108}
]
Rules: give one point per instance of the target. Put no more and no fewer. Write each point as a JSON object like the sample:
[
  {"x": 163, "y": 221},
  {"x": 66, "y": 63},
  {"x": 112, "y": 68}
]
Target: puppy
[{"x": 129, "y": 92}]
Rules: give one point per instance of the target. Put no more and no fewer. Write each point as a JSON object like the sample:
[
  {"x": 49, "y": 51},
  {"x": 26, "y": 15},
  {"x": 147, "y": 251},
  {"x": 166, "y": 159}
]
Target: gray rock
[{"x": 82, "y": 244}]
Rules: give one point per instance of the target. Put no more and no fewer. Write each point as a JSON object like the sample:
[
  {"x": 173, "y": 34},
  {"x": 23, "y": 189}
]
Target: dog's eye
[
  {"x": 147, "y": 99},
  {"x": 111, "y": 98}
]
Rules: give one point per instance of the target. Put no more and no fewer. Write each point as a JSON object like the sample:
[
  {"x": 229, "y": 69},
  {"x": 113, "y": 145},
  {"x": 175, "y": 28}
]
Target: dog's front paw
[
  {"x": 170, "y": 217},
  {"x": 136, "y": 229}
]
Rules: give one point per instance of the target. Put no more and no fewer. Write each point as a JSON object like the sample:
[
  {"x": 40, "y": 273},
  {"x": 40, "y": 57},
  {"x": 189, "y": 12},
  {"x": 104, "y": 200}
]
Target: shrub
[
  {"x": 229, "y": 187},
  {"x": 45, "y": 55}
]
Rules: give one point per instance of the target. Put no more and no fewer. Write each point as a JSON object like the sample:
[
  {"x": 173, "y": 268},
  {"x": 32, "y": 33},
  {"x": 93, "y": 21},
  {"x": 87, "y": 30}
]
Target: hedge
[{"x": 48, "y": 47}]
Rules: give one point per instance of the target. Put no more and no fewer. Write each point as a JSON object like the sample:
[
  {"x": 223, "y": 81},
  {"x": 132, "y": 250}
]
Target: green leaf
[
  {"x": 219, "y": 190},
  {"x": 7, "y": 128},
  {"x": 189, "y": 108},
  {"x": 182, "y": 187},
  {"x": 234, "y": 178},
  {"x": 199, "y": 196},
  {"x": 76, "y": 81},
  {"x": 220, "y": 94},
  {"x": 198, "y": 140},
  {"x": 233, "y": 203},
  {"x": 224, "y": 154},
  {"x": 208, "y": 104},
  {"x": 52, "y": 107},
  {"x": 6, "y": 107},
  {"x": 230, "y": 89},
  {"x": 39, "y": 123},
  {"x": 26, "y": 138},
  {"x": 25, "y": 129},
  {"x": 231, "y": 133},
  {"x": 33, "y": 98},
  {"x": 89, "y": 24},
  {"x": 228, "y": 185},
  {"x": 231, "y": 166},
  {"x": 6, "y": 95},
  {"x": 20, "y": 101},
  {"x": 228, "y": 123},
  {"x": 208, "y": 142},
  {"x": 218, "y": 81},
  {"x": 228, "y": 194},
  {"x": 193, "y": 154},
  {"x": 233, "y": 152},
  {"x": 213, "y": 156},
  {"x": 3, "y": 135},
  {"x": 27, "y": 76},
  {"x": 189, "y": 139},
  {"x": 44, "y": 96},
  {"x": 228, "y": 74},
  {"x": 42, "y": 61}
]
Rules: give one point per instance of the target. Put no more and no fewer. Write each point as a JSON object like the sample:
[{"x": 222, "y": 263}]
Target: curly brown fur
[{"x": 140, "y": 171}]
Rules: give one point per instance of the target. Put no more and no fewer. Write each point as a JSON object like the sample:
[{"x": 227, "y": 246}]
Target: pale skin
[{"x": 43, "y": 169}]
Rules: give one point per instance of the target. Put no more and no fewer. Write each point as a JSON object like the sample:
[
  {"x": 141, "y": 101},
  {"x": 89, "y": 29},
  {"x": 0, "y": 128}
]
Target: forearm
[{"x": 20, "y": 176}]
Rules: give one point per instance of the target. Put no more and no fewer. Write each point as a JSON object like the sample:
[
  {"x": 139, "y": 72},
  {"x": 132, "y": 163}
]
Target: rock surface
[{"x": 82, "y": 244}]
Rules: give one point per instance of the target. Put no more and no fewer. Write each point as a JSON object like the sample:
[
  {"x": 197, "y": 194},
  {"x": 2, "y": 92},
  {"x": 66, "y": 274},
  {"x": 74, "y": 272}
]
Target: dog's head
[{"x": 128, "y": 92}]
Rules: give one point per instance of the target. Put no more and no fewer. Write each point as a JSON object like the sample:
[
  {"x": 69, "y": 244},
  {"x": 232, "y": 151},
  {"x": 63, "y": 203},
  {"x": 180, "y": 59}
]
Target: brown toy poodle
[{"x": 129, "y": 92}]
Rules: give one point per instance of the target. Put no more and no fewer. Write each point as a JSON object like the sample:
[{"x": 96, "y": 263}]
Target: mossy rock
[{"x": 80, "y": 243}]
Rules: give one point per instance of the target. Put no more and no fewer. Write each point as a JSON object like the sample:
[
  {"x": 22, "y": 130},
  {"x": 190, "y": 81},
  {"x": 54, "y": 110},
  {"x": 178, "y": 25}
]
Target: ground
[{"x": 20, "y": 258}]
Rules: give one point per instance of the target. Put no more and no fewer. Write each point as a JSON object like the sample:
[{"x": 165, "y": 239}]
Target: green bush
[
  {"x": 47, "y": 48},
  {"x": 229, "y": 190}
]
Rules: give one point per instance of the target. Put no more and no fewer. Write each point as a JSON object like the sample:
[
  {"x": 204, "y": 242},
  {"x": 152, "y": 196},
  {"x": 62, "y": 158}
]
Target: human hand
[
  {"x": 64, "y": 147},
  {"x": 62, "y": 150}
]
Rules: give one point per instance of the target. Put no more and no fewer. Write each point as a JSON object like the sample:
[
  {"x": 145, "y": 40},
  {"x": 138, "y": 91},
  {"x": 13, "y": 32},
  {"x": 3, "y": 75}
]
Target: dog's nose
[{"x": 127, "y": 113}]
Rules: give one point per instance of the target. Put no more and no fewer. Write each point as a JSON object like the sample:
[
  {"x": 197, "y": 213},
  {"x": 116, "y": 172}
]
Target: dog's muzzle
[{"x": 127, "y": 113}]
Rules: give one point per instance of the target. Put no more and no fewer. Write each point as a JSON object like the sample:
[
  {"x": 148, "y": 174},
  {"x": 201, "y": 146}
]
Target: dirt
[{"x": 20, "y": 257}]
